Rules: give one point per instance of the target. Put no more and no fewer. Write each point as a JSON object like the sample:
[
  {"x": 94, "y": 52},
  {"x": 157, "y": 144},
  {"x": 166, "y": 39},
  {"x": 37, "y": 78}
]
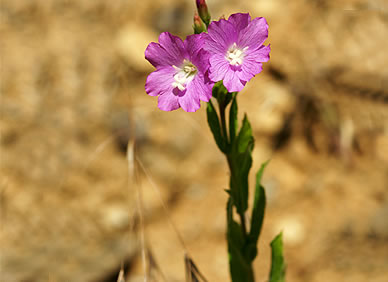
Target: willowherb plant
[{"x": 217, "y": 61}]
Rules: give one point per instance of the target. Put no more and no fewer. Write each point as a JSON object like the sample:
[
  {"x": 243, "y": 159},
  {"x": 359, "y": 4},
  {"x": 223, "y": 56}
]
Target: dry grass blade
[
  {"x": 164, "y": 205},
  {"x": 134, "y": 177},
  {"x": 192, "y": 272},
  {"x": 154, "y": 266},
  {"x": 121, "y": 277},
  {"x": 150, "y": 265}
]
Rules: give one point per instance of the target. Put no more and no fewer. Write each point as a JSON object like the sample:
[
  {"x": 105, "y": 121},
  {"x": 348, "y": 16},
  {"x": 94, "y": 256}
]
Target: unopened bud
[
  {"x": 198, "y": 26},
  {"x": 203, "y": 11}
]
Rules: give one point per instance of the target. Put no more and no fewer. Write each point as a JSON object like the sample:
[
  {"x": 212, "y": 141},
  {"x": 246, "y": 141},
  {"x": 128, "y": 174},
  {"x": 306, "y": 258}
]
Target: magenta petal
[
  {"x": 169, "y": 51},
  {"x": 240, "y": 20},
  {"x": 202, "y": 87},
  {"x": 254, "y": 34},
  {"x": 232, "y": 81},
  {"x": 259, "y": 55},
  {"x": 190, "y": 100},
  {"x": 218, "y": 67},
  {"x": 160, "y": 81},
  {"x": 236, "y": 60},
  {"x": 173, "y": 46},
  {"x": 212, "y": 46},
  {"x": 169, "y": 56},
  {"x": 157, "y": 56},
  {"x": 222, "y": 32},
  {"x": 193, "y": 44},
  {"x": 168, "y": 102},
  {"x": 249, "y": 69},
  {"x": 201, "y": 60}
]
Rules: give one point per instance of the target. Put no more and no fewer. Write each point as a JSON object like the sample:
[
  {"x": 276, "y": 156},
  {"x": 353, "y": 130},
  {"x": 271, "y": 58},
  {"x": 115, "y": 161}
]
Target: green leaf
[
  {"x": 245, "y": 137},
  {"x": 233, "y": 122},
  {"x": 234, "y": 187},
  {"x": 257, "y": 216},
  {"x": 214, "y": 124},
  {"x": 240, "y": 269},
  {"x": 240, "y": 163},
  {"x": 278, "y": 266},
  {"x": 219, "y": 89},
  {"x": 259, "y": 174},
  {"x": 243, "y": 163},
  {"x": 235, "y": 235},
  {"x": 221, "y": 94}
]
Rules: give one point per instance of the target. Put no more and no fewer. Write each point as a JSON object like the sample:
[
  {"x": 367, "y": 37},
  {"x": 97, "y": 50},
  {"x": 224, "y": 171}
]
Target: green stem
[
  {"x": 241, "y": 215},
  {"x": 224, "y": 131},
  {"x": 223, "y": 121},
  {"x": 248, "y": 271},
  {"x": 243, "y": 226}
]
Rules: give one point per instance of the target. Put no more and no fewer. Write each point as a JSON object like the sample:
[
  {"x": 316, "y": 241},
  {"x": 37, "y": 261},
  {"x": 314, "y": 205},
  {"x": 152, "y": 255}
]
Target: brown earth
[{"x": 72, "y": 95}]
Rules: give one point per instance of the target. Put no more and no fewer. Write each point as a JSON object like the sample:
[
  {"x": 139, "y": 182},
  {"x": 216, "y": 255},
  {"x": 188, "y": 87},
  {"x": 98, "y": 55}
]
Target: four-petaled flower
[
  {"x": 180, "y": 77},
  {"x": 236, "y": 49}
]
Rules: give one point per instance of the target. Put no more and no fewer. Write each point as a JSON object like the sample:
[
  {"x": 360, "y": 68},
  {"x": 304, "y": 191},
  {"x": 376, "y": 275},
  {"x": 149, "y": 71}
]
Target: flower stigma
[
  {"x": 235, "y": 55},
  {"x": 184, "y": 75}
]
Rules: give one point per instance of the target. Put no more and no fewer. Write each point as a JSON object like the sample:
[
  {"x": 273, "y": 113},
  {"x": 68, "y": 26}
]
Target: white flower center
[
  {"x": 184, "y": 75},
  {"x": 235, "y": 55}
]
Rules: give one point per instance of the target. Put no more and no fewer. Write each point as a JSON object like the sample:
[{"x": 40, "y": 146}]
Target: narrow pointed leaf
[
  {"x": 214, "y": 124},
  {"x": 241, "y": 162},
  {"x": 259, "y": 174},
  {"x": 256, "y": 222},
  {"x": 278, "y": 266},
  {"x": 257, "y": 217},
  {"x": 244, "y": 162},
  {"x": 258, "y": 207},
  {"x": 240, "y": 269},
  {"x": 233, "y": 122},
  {"x": 245, "y": 137}
]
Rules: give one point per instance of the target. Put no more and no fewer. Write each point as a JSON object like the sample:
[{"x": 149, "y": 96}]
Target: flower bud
[
  {"x": 203, "y": 11},
  {"x": 198, "y": 26}
]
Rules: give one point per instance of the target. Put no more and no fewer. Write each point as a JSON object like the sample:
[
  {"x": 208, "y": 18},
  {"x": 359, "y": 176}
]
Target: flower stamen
[
  {"x": 184, "y": 75},
  {"x": 235, "y": 55}
]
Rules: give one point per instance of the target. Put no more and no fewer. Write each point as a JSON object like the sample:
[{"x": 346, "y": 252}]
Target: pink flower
[
  {"x": 236, "y": 49},
  {"x": 180, "y": 78}
]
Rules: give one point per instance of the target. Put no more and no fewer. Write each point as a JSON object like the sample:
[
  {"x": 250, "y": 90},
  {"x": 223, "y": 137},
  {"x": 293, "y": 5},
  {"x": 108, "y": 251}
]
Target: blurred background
[{"x": 72, "y": 96}]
